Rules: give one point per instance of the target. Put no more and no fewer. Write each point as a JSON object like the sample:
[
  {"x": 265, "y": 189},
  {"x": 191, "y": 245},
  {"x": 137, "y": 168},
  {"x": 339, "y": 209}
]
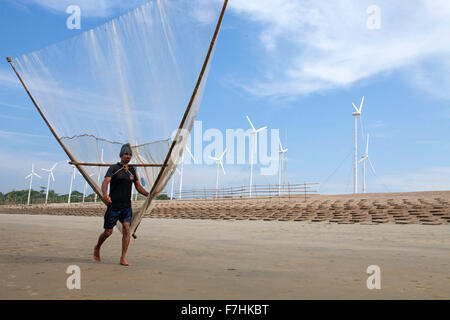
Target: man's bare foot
[
  {"x": 97, "y": 254},
  {"x": 124, "y": 262}
]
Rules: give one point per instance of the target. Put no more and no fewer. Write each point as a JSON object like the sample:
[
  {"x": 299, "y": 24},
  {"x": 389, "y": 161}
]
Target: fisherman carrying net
[{"x": 121, "y": 176}]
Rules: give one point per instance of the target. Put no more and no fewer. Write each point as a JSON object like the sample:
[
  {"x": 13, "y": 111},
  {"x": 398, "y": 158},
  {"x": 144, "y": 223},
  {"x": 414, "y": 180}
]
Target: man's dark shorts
[{"x": 111, "y": 217}]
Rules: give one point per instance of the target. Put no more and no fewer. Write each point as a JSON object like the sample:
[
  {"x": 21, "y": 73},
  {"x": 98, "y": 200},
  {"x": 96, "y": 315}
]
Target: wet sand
[{"x": 223, "y": 259}]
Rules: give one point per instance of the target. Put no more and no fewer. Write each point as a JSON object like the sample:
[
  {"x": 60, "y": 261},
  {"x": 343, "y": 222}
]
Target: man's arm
[
  {"x": 140, "y": 188},
  {"x": 105, "y": 189}
]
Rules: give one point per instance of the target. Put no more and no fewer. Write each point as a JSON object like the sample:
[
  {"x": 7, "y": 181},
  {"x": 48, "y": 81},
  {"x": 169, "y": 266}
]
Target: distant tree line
[{"x": 38, "y": 197}]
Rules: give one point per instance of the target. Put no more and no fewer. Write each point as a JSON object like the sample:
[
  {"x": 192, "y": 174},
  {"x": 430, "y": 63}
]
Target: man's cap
[{"x": 126, "y": 148}]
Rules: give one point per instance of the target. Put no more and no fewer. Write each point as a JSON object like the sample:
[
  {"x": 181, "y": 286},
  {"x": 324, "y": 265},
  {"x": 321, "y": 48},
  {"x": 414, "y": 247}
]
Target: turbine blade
[
  {"x": 223, "y": 153},
  {"x": 251, "y": 123},
  {"x": 221, "y": 164},
  {"x": 190, "y": 153},
  {"x": 34, "y": 173},
  {"x": 355, "y": 107},
  {"x": 53, "y": 177},
  {"x": 367, "y": 145},
  {"x": 363, "y": 134},
  {"x": 28, "y": 176},
  {"x": 371, "y": 166},
  {"x": 360, "y": 107},
  {"x": 259, "y": 130},
  {"x": 54, "y": 166}
]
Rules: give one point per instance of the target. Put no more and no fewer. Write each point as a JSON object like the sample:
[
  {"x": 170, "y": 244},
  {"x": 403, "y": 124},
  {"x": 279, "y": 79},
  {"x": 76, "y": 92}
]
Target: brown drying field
[{"x": 430, "y": 208}]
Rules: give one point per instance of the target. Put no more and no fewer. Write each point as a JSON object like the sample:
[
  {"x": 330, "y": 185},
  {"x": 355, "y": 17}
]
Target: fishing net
[{"x": 134, "y": 80}]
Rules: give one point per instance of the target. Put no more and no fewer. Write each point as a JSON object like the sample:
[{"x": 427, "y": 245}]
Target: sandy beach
[{"x": 223, "y": 259}]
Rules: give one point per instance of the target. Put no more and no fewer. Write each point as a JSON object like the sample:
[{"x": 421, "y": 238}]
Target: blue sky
[{"x": 290, "y": 65}]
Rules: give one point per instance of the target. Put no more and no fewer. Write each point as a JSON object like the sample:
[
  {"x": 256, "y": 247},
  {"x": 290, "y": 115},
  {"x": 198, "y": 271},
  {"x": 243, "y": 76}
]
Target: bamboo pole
[
  {"x": 108, "y": 165},
  {"x": 91, "y": 183}
]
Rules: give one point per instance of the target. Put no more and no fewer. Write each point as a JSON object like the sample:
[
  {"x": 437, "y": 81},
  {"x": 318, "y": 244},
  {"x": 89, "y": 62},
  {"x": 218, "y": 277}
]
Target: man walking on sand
[{"x": 121, "y": 176}]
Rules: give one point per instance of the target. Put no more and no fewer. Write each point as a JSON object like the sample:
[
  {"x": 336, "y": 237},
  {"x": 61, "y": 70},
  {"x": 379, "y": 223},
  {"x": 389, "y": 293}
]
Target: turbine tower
[
  {"x": 363, "y": 160},
  {"x": 71, "y": 182},
  {"x": 85, "y": 186},
  {"x": 281, "y": 154},
  {"x": 253, "y": 149},
  {"x": 173, "y": 182},
  {"x": 180, "y": 173},
  {"x": 31, "y": 181},
  {"x": 50, "y": 174},
  {"x": 181, "y": 169},
  {"x": 219, "y": 162},
  {"x": 355, "y": 148}
]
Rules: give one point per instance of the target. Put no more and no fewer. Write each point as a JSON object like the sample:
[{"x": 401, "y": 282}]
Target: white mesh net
[{"x": 129, "y": 80}]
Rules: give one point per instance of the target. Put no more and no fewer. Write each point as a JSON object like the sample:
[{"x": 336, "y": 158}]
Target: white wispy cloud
[
  {"x": 312, "y": 46},
  {"x": 5, "y": 116},
  {"x": 14, "y": 106},
  {"x": 8, "y": 79},
  {"x": 433, "y": 77},
  {"x": 7, "y": 134},
  {"x": 205, "y": 11}
]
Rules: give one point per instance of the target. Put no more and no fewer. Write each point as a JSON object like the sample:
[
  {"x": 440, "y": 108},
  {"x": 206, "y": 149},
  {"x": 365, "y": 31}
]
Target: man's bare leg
[
  {"x": 125, "y": 243},
  {"x": 105, "y": 235}
]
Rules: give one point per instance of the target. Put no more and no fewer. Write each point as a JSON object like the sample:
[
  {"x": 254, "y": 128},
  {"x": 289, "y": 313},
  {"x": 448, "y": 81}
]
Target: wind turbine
[
  {"x": 173, "y": 182},
  {"x": 281, "y": 153},
  {"x": 71, "y": 182},
  {"x": 363, "y": 160},
  {"x": 219, "y": 162},
  {"x": 252, "y": 151},
  {"x": 31, "y": 181},
  {"x": 181, "y": 169},
  {"x": 180, "y": 173},
  {"x": 50, "y": 174},
  {"x": 98, "y": 175},
  {"x": 355, "y": 148},
  {"x": 85, "y": 186}
]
